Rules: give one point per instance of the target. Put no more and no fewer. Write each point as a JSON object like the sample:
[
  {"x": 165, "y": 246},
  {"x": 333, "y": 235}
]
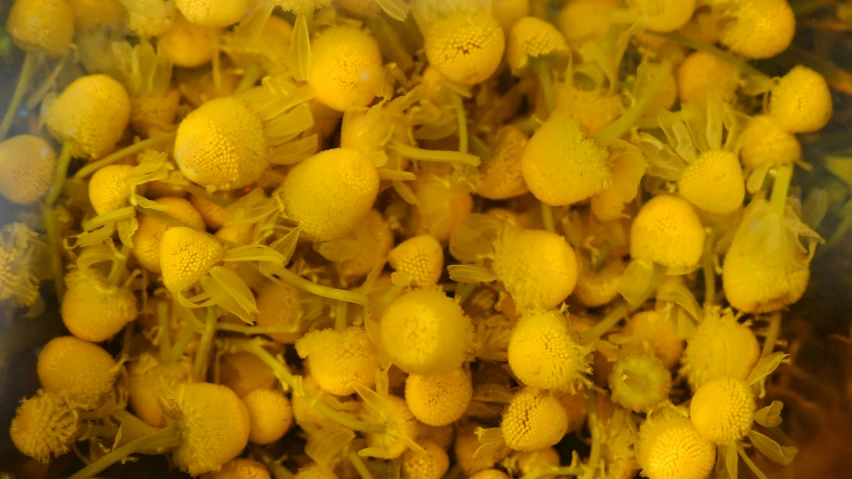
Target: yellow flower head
[
  {"x": 400, "y": 428},
  {"x": 471, "y": 457},
  {"x": 439, "y": 399},
  {"x": 431, "y": 465},
  {"x": 581, "y": 20},
  {"x": 763, "y": 142},
  {"x": 44, "y": 426},
  {"x": 270, "y": 415},
  {"x": 543, "y": 353},
  {"x": 41, "y": 26},
  {"x": 667, "y": 231},
  {"x": 241, "y": 469},
  {"x": 561, "y": 165},
  {"x": 221, "y": 144},
  {"x": 91, "y": 114},
  {"x": 243, "y": 372},
  {"x": 639, "y": 382},
  {"x": 27, "y": 165},
  {"x": 321, "y": 216},
  {"x": 702, "y": 74},
  {"x": 278, "y": 304},
  {"x": 362, "y": 249},
  {"x": 186, "y": 255},
  {"x": 346, "y": 68},
  {"x": 421, "y": 258},
  {"x": 713, "y": 182},
  {"x": 722, "y": 410},
  {"x": 502, "y": 177},
  {"x": 441, "y": 204},
  {"x": 21, "y": 253},
  {"x": 663, "y": 15},
  {"x": 315, "y": 471},
  {"x": 537, "y": 267},
  {"x": 534, "y": 419},
  {"x": 721, "y": 347},
  {"x": 670, "y": 447},
  {"x": 658, "y": 331},
  {"x": 214, "y": 426},
  {"x": 79, "y": 371},
  {"x": 302, "y": 7},
  {"x": 108, "y": 188},
  {"x": 340, "y": 360},
  {"x": 466, "y": 47},
  {"x": 146, "y": 241},
  {"x": 189, "y": 45},
  {"x": 212, "y": 13},
  {"x": 801, "y": 101},
  {"x": 93, "y": 310},
  {"x": 149, "y": 381},
  {"x": 757, "y": 28},
  {"x": 532, "y": 38},
  {"x": 424, "y": 332}
]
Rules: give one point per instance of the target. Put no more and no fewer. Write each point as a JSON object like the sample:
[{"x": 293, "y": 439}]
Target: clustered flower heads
[{"x": 377, "y": 238}]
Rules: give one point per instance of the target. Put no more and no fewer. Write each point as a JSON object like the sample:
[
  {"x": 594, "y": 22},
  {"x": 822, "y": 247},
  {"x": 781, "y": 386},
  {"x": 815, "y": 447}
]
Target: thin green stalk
[
  {"x": 751, "y": 465},
  {"x": 203, "y": 193},
  {"x": 114, "y": 157},
  {"x": 553, "y": 471},
  {"x": 167, "y": 438},
  {"x": 51, "y": 230},
  {"x": 320, "y": 290},
  {"x": 341, "y": 321},
  {"x": 609, "y": 321},
  {"x": 547, "y": 217},
  {"x": 778, "y": 200},
  {"x": 200, "y": 366},
  {"x": 251, "y": 75},
  {"x": 709, "y": 267},
  {"x": 59, "y": 175},
  {"x": 116, "y": 271},
  {"x": 255, "y": 330},
  {"x": 718, "y": 53},
  {"x": 359, "y": 465},
  {"x": 461, "y": 118},
  {"x": 165, "y": 336},
  {"x": 18, "y": 95},
  {"x": 595, "y": 430},
  {"x": 39, "y": 93},
  {"x": 771, "y": 334},
  {"x": 186, "y": 337},
  {"x": 545, "y": 80},
  {"x": 415, "y": 153},
  {"x": 635, "y": 113}
]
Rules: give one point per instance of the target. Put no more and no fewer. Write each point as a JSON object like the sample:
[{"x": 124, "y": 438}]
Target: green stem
[
  {"x": 51, "y": 230},
  {"x": 39, "y": 93},
  {"x": 114, "y": 157},
  {"x": 21, "y": 88},
  {"x": 751, "y": 465},
  {"x": 320, "y": 290},
  {"x": 165, "y": 218},
  {"x": 116, "y": 271},
  {"x": 186, "y": 337},
  {"x": 778, "y": 200},
  {"x": 359, "y": 465},
  {"x": 59, "y": 175},
  {"x": 709, "y": 270},
  {"x": 545, "y": 80},
  {"x": 771, "y": 334},
  {"x": 200, "y": 366},
  {"x": 595, "y": 430},
  {"x": 255, "y": 330},
  {"x": 165, "y": 336},
  {"x": 547, "y": 217},
  {"x": 718, "y": 53},
  {"x": 133, "y": 428},
  {"x": 115, "y": 216},
  {"x": 609, "y": 321},
  {"x": 631, "y": 116},
  {"x": 431, "y": 155},
  {"x": 341, "y": 321},
  {"x": 553, "y": 471},
  {"x": 461, "y": 119},
  {"x": 277, "y": 470},
  {"x": 251, "y": 75},
  {"x": 166, "y": 438}
]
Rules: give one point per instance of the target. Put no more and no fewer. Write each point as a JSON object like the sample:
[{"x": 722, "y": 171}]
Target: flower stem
[
  {"x": 123, "y": 153},
  {"x": 320, "y": 290},
  {"x": 200, "y": 366},
  {"x": 21, "y": 88},
  {"x": 709, "y": 270},
  {"x": 778, "y": 200},
  {"x": 545, "y": 80},
  {"x": 771, "y": 334},
  {"x": 595, "y": 430},
  {"x": 166, "y": 438},
  {"x": 431, "y": 155}
]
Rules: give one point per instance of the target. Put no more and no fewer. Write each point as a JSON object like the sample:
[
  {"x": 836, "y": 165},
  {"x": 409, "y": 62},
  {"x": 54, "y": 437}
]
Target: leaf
[
  {"x": 229, "y": 292},
  {"x": 396, "y": 9},
  {"x": 464, "y": 273},
  {"x": 300, "y": 49},
  {"x": 405, "y": 192},
  {"x": 325, "y": 445},
  {"x": 783, "y": 455},
  {"x": 770, "y": 416},
  {"x": 126, "y": 230},
  {"x": 732, "y": 460},
  {"x": 255, "y": 252},
  {"x": 766, "y": 366}
]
